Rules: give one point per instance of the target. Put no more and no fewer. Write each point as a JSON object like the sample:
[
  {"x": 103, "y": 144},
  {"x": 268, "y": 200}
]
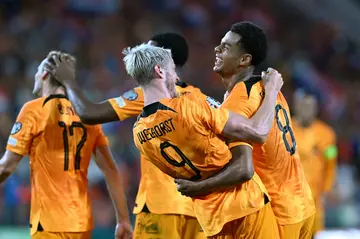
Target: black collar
[
  {"x": 250, "y": 82},
  {"x": 153, "y": 108},
  {"x": 181, "y": 84},
  {"x": 55, "y": 96}
]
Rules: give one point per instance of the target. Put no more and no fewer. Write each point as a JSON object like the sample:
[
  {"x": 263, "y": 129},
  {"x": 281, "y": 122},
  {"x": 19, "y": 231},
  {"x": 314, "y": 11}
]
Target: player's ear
[
  {"x": 245, "y": 60},
  {"x": 159, "y": 71}
]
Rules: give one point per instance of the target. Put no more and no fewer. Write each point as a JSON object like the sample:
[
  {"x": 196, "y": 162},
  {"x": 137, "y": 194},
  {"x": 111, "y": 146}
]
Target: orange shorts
[
  {"x": 61, "y": 235},
  {"x": 261, "y": 225},
  {"x": 165, "y": 226},
  {"x": 300, "y": 230}
]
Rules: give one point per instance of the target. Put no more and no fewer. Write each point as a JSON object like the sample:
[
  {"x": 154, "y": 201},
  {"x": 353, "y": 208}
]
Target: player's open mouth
[{"x": 218, "y": 61}]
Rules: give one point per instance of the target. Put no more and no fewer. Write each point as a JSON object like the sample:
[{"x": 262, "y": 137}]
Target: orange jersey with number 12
[
  {"x": 60, "y": 148},
  {"x": 276, "y": 161},
  {"x": 179, "y": 136}
]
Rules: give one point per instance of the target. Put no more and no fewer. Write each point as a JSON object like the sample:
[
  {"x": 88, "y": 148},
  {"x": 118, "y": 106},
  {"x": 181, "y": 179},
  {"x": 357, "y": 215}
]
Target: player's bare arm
[
  {"x": 8, "y": 164},
  {"x": 257, "y": 128},
  {"x": 90, "y": 113},
  {"x": 105, "y": 162},
  {"x": 240, "y": 169}
]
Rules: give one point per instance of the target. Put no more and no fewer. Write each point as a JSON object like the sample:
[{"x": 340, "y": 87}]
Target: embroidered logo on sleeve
[
  {"x": 130, "y": 95},
  {"x": 16, "y": 128}
]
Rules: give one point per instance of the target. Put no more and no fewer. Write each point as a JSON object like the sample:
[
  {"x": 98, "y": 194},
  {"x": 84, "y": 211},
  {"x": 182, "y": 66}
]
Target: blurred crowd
[{"x": 310, "y": 54}]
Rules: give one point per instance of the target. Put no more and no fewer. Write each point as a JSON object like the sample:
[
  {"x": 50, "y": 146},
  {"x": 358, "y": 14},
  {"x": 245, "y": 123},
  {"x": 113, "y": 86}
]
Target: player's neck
[
  {"x": 154, "y": 93},
  {"x": 53, "y": 91},
  {"x": 231, "y": 81}
]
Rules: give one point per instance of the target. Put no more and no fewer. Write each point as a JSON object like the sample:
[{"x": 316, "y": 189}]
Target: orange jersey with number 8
[
  {"x": 276, "y": 161},
  {"x": 60, "y": 148}
]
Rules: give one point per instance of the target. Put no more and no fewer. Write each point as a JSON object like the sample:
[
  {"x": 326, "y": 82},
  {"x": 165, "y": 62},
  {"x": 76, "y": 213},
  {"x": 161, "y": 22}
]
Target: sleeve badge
[
  {"x": 130, "y": 95},
  {"x": 212, "y": 102},
  {"x": 16, "y": 128}
]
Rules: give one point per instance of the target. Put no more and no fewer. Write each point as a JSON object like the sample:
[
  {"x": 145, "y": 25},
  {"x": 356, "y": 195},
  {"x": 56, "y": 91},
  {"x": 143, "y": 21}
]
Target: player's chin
[{"x": 217, "y": 69}]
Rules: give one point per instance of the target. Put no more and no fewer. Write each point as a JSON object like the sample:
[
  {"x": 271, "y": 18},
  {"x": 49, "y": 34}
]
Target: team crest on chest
[
  {"x": 212, "y": 102},
  {"x": 16, "y": 128},
  {"x": 130, "y": 95}
]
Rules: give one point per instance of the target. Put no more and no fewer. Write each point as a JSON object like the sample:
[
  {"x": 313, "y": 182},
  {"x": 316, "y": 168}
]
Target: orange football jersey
[
  {"x": 276, "y": 161},
  {"x": 311, "y": 160},
  {"x": 313, "y": 143},
  {"x": 179, "y": 136},
  {"x": 154, "y": 184},
  {"x": 328, "y": 150},
  {"x": 60, "y": 148}
]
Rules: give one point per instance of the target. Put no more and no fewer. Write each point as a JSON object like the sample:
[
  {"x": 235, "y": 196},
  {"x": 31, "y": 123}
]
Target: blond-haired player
[{"x": 179, "y": 135}]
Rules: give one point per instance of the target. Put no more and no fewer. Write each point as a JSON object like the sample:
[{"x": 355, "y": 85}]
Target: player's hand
[
  {"x": 189, "y": 188},
  {"x": 63, "y": 70},
  {"x": 123, "y": 231},
  {"x": 272, "y": 80}
]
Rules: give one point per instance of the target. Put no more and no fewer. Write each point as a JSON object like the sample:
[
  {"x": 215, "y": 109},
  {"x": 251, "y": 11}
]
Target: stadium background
[{"x": 313, "y": 43}]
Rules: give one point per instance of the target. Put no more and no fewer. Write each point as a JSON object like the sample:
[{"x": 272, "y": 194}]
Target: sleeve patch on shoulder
[
  {"x": 16, "y": 128},
  {"x": 120, "y": 102},
  {"x": 130, "y": 95},
  {"x": 212, "y": 102}
]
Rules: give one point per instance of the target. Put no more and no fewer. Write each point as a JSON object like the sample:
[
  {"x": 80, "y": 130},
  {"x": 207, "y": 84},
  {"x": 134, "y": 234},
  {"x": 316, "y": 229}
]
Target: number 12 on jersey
[{"x": 78, "y": 146}]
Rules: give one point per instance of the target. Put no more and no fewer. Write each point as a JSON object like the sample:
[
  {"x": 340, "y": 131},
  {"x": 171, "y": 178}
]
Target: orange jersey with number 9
[
  {"x": 160, "y": 123},
  {"x": 180, "y": 137},
  {"x": 154, "y": 184},
  {"x": 60, "y": 148}
]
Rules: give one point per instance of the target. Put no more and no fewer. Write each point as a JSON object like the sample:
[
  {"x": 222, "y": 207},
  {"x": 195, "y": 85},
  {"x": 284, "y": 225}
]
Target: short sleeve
[
  {"x": 23, "y": 131},
  {"x": 129, "y": 105},
  {"x": 239, "y": 102},
  {"x": 210, "y": 113},
  {"x": 101, "y": 139}
]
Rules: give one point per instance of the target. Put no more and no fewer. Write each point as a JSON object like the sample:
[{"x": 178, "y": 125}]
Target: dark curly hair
[
  {"x": 176, "y": 43},
  {"x": 253, "y": 40}
]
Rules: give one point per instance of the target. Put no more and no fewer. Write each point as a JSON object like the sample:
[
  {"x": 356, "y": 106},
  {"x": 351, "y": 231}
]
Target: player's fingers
[
  {"x": 271, "y": 70},
  {"x": 63, "y": 59},
  {"x": 56, "y": 60},
  {"x": 49, "y": 65},
  {"x": 50, "y": 69},
  {"x": 179, "y": 181}
]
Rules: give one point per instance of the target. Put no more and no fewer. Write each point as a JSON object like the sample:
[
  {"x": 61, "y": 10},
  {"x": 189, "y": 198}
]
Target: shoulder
[
  {"x": 244, "y": 98},
  {"x": 188, "y": 89},
  {"x": 320, "y": 125},
  {"x": 33, "y": 105},
  {"x": 248, "y": 90},
  {"x": 197, "y": 99}
]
